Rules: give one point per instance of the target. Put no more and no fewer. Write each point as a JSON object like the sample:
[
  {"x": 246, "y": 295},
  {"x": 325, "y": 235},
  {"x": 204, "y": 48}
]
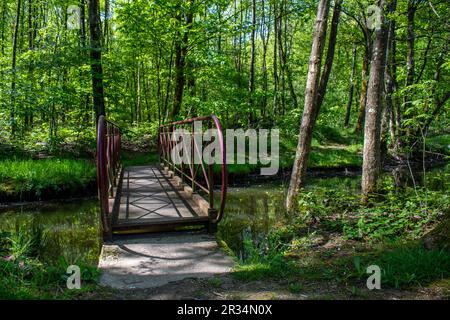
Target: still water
[{"x": 71, "y": 229}]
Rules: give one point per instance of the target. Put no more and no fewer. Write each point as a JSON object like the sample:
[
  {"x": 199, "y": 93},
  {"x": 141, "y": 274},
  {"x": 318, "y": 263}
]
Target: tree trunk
[
  {"x": 309, "y": 111},
  {"x": 29, "y": 113},
  {"x": 106, "y": 25},
  {"x": 13, "y": 68},
  {"x": 251, "y": 81},
  {"x": 96, "y": 58},
  {"x": 165, "y": 112},
  {"x": 82, "y": 4},
  {"x": 391, "y": 86},
  {"x": 181, "y": 47},
  {"x": 351, "y": 89},
  {"x": 4, "y": 13},
  {"x": 275, "y": 61},
  {"x": 330, "y": 57},
  {"x": 371, "y": 152},
  {"x": 283, "y": 57},
  {"x": 265, "y": 42},
  {"x": 410, "y": 64},
  {"x": 84, "y": 101},
  {"x": 282, "y": 77},
  {"x": 138, "y": 93},
  {"x": 158, "y": 84},
  {"x": 363, "y": 93}
]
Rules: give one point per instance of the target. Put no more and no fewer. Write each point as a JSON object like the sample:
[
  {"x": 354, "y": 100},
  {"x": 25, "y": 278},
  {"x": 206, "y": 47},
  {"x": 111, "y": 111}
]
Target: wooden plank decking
[{"x": 152, "y": 200}]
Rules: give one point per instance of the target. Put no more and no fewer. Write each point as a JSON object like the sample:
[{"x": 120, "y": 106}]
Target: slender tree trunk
[
  {"x": 410, "y": 61},
  {"x": 351, "y": 89},
  {"x": 439, "y": 101},
  {"x": 13, "y": 68},
  {"x": 283, "y": 61},
  {"x": 309, "y": 112},
  {"x": 391, "y": 86},
  {"x": 374, "y": 109},
  {"x": 82, "y": 4},
  {"x": 363, "y": 93},
  {"x": 96, "y": 58},
  {"x": 30, "y": 26},
  {"x": 384, "y": 133},
  {"x": 179, "y": 81},
  {"x": 219, "y": 36},
  {"x": 330, "y": 57},
  {"x": 147, "y": 92},
  {"x": 158, "y": 84},
  {"x": 138, "y": 93},
  {"x": 265, "y": 42},
  {"x": 4, "y": 13},
  {"x": 181, "y": 47},
  {"x": 275, "y": 63},
  {"x": 169, "y": 82},
  {"x": 251, "y": 81},
  {"x": 282, "y": 76},
  {"x": 85, "y": 100},
  {"x": 106, "y": 25},
  {"x": 22, "y": 28},
  {"x": 29, "y": 114}
]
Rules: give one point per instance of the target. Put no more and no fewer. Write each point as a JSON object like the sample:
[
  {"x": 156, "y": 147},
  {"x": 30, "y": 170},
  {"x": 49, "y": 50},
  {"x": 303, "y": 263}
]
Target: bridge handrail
[
  {"x": 165, "y": 145},
  {"x": 108, "y": 165}
]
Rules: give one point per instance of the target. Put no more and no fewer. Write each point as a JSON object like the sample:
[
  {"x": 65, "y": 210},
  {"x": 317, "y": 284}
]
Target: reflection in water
[
  {"x": 70, "y": 230},
  {"x": 251, "y": 211}
]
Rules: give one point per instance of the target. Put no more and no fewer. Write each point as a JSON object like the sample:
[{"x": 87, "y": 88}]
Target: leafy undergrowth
[
  {"x": 334, "y": 237},
  {"x": 402, "y": 266},
  {"x": 26, "y": 274},
  {"x": 28, "y": 180},
  {"x": 78, "y": 142}
]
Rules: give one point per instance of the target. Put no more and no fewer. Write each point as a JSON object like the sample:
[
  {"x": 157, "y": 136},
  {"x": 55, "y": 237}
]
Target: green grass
[
  {"x": 440, "y": 144},
  {"x": 265, "y": 259},
  {"x": 331, "y": 148},
  {"x": 45, "y": 179},
  {"x": 402, "y": 265},
  {"x": 26, "y": 274},
  {"x": 130, "y": 158},
  {"x": 414, "y": 265},
  {"x": 335, "y": 156}
]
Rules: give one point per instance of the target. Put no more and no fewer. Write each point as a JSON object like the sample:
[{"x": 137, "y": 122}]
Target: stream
[{"x": 71, "y": 229}]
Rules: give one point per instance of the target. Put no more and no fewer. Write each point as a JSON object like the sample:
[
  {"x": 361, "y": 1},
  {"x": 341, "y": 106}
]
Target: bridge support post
[{"x": 212, "y": 224}]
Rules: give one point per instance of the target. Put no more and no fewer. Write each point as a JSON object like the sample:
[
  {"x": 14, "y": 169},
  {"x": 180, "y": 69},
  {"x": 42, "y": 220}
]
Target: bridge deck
[{"x": 151, "y": 199}]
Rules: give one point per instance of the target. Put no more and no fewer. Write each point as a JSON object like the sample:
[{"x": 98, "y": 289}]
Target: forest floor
[
  {"x": 309, "y": 287},
  {"x": 228, "y": 288}
]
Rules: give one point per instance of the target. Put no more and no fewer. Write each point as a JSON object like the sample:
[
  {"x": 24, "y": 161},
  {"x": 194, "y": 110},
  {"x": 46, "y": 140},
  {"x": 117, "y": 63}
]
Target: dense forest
[
  {"x": 359, "y": 85},
  {"x": 246, "y": 61}
]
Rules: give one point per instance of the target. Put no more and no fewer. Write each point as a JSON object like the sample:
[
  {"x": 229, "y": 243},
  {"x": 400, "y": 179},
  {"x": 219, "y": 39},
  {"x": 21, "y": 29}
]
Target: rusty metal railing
[
  {"x": 108, "y": 168},
  {"x": 199, "y": 176}
]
